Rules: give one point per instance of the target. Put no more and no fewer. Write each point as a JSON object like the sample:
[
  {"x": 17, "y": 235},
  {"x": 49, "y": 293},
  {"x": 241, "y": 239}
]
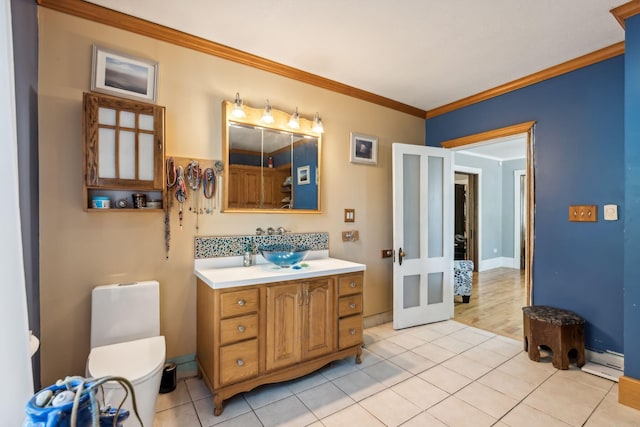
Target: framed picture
[
  {"x": 120, "y": 74},
  {"x": 303, "y": 175},
  {"x": 364, "y": 149}
]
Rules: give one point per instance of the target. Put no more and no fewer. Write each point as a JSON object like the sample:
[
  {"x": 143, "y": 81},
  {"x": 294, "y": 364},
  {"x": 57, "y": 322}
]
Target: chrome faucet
[
  {"x": 281, "y": 231},
  {"x": 259, "y": 231},
  {"x": 270, "y": 231}
]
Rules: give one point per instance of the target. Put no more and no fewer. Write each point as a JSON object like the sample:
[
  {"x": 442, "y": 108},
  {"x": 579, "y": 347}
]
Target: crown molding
[
  {"x": 627, "y": 10},
  {"x": 103, "y": 15},
  {"x": 557, "y": 70},
  {"x": 488, "y": 135}
]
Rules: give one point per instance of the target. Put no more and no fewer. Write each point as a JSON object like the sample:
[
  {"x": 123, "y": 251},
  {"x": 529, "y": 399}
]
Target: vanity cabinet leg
[
  {"x": 359, "y": 356},
  {"x": 217, "y": 402}
]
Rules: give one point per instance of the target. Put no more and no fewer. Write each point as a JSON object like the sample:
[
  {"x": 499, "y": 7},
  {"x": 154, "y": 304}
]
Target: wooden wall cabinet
[
  {"x": 123, "y": 148},
  {"x": 256, "y": 187},
  {"x": 259, "y": 334}
]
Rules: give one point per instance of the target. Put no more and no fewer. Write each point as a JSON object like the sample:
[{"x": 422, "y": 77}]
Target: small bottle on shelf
[{"x": 270, "y": 162}]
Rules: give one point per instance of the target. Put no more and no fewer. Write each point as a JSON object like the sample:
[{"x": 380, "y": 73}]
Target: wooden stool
[{"x": 560, "y": 330}]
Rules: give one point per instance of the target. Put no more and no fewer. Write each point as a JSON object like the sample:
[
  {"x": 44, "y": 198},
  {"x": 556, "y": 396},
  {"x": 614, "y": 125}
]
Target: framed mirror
[{"x": 269, "y": 167}]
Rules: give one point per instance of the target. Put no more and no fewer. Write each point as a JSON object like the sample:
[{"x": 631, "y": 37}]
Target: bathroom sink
[{"x": 283, "y": 255}]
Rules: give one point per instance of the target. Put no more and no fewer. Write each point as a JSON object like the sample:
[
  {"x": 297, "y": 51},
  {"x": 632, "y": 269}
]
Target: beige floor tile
[
  {"x": 386, "y": 349},
  {"x": 383, "y": 331},
  {"x": 614, "y": 413},
  {"x": 487, "y": 399},
  {"x": 325, "y": 399},
  {"x": 481, "y": 332},
  {"x": 390, "y": 408},
  {"x": 434, "y": 352},
  {"x": 339, "y": 368},
  {"x": 177, "y": 397},
  {"x": 424, "y": 333},
  {"x": 233, "y": 407},
  {"x": 470, "y": 336},
  {"x": 570, "y": 402},
  {"x": 467, "y": 367},
  {"x": 369, "y": 358},
  {"x": 446, "y": 327},
  {"x": 308, "y": 381},
  {"x": 423, "y": 419},
  {"x": 412, "y": 362},
  {"x": 527, "y": 370},
  {"x": 420, "y": 392},
  {"x": 575, "y": 374},
  {"x": 248, "y": 419},
  {"x": 266, "y": 394},
  {"x": 406, "y": 341},
  {"x": 445, "y": 379},
  {"x": 358, "y": 385},
  {"x": 452, "y": 344},
  {"x": 485, "y": 357},
  {"x": 456, "y": 413},
  {"x": 288, "y": 412},
  {"x": 505, "y": 346},
  {"x": 387, "y": 373},
  {"x": 507, "y": 384},
  {"x": 525, "y": 416},
  {"x": 354, "y": 415},
  {"x": 197, "y": 388},
  {"x": 178, "y": 416}
]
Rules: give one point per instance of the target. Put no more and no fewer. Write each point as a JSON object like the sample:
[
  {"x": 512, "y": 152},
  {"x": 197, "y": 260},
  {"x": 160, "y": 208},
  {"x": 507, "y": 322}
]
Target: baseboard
[
  {"x": 498, "y": 262},
  {"x": 377, "y": 319},
  {"x": 629, "y": 392}
]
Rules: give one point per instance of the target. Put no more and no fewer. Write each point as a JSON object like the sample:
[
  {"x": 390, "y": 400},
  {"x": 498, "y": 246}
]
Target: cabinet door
[
  {"x": 123, "y": 143},
  {"x": 319, "y": 319},
  {"x": 284, "y": 325}
]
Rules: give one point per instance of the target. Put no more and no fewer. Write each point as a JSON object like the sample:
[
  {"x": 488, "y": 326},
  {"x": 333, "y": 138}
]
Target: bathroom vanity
[{"x": 260, "y": 324}]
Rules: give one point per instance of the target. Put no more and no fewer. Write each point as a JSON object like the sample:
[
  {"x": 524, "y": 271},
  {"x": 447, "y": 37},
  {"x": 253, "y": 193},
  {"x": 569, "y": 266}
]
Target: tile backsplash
[{"x": 223, "y": 246}]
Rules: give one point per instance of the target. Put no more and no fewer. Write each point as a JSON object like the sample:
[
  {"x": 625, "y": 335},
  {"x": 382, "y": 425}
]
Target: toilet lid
[{"x": 134, "y": 360}]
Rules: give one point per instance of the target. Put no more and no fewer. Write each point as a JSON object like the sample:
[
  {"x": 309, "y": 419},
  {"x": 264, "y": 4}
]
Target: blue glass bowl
[{"x": 283, "y": 255}]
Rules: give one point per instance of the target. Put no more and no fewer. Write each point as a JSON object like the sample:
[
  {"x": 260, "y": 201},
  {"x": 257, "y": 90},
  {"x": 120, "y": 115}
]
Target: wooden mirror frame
[{"x": 253, "y": 117}]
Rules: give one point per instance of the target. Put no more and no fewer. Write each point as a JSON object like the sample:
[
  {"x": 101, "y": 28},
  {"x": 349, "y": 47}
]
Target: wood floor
[{"x": 496, "y": 302}]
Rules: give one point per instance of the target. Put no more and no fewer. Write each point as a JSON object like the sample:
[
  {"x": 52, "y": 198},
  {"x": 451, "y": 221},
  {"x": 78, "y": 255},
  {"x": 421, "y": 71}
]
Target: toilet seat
[{"x": 134, "y": 360}]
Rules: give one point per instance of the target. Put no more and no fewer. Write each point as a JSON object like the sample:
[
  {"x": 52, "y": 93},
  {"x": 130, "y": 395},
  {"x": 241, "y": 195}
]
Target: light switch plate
[
  {"x": 611, "y": 212},
  {"x": 583, "y": 213},
  {"x": 349, "y": 215}
]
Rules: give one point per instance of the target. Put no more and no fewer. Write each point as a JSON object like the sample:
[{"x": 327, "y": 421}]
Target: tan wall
[{"x": 80, "y": 250}]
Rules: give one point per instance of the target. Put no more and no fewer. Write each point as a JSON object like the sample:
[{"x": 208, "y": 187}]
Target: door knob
[{"x": 401, "y": 255}]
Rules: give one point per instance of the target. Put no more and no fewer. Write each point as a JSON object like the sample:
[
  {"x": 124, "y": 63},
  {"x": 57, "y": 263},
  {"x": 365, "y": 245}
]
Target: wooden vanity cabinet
[{"x": 259, "y": 334}]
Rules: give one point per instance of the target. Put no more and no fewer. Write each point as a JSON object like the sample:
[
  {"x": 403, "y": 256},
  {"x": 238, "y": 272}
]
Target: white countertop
[{"x": 227, "y": 277}]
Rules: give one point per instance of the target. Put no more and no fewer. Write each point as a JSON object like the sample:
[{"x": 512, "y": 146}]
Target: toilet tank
[{"x": 124, "y": 312}]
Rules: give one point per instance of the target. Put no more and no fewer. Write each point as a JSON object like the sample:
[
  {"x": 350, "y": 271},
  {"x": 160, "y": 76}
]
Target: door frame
[
  {"x": 520, "y": 128},
  {"x": 518, "y": 198},
  {"x": 477, "y": 217}
]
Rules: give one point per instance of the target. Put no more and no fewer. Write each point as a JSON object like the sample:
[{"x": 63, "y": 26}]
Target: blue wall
[
  {"x": 632, "y": 197},
  {"x": 579, "y": 159},
  {"x": 305, "y": 154}
]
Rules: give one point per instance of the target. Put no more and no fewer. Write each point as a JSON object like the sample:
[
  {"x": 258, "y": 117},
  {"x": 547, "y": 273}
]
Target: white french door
[{"x": 422, "y": 235}]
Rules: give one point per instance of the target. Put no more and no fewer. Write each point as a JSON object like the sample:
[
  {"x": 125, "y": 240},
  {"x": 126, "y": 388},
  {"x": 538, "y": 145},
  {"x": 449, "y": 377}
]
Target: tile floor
[{"x": 442, "y": 374}]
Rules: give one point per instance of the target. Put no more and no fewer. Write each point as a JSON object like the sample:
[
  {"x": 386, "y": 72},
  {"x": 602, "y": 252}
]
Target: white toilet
[{"x": 126, "y": 342}]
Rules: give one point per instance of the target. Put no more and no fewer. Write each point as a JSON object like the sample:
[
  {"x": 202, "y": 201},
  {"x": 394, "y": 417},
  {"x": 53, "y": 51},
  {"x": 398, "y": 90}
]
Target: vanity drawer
[
  {"x": 239, "y": 302},
  {"x": 238, "y": 361},
  {"x": 348, "y": 285},
  {"x": 350, "y": 331},
  {"x": 238, "y": 328},
  {"x": 350, "y": 305}
]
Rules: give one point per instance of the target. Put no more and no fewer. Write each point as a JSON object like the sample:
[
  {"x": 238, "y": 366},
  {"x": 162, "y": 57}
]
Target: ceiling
[
  {"x": 501, "y": 149},
  {"x": 423, "y": 53}
]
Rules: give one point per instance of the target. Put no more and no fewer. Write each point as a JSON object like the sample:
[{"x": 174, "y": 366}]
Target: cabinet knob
[
  {"x": 240, "y": 362},
  {"x": 352, "y": 284},
  {"x": 352, "y": 305},
  {"x": 240, "y": 328},
  {"x": 241, "y": 302},
  {"x": 352, "y": 331}
]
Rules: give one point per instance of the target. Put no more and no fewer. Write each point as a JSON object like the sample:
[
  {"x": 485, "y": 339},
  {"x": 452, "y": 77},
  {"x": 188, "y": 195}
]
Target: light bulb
[
  {"x": 294, "y": 122},
  {"x": 317, "y": 124},
  {"x": 238, "y": 109},
  {"x": 267, "y": 117}
]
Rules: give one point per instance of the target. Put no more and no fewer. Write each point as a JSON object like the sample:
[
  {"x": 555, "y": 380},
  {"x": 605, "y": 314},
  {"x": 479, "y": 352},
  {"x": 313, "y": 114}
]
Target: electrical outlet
[
  {"x": 610, "y": 212},
  {"x": 583, "y": 213},
  {"x": 387, "y": 253}
]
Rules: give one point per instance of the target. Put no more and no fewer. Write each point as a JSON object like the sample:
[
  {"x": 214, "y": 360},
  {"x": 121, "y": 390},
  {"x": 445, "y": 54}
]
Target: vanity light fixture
[
  {"x": 267, "y": 117},
  {"x": 294, "y": 120},
  {"x": 238, "y": 109},
  {"x": 317, "y": 124}
]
